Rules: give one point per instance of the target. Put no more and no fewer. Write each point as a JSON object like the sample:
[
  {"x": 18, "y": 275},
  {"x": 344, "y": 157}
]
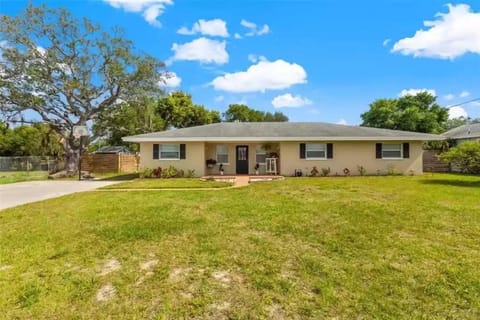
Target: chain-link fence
[{"x": 48, "y": 164}]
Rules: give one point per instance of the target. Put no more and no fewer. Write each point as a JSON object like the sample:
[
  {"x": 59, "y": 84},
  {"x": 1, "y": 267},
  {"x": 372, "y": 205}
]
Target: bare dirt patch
[
  {"x": 179, "y": 273},
  {"x": 148, "y": 265},
  {"x": 222, "y": 276},
  {"x": 275, "y": 312},
  {"x": 110, "y": 266},
  {"x": 6, "y": 267},
  {"x": 106, "y": 293}
]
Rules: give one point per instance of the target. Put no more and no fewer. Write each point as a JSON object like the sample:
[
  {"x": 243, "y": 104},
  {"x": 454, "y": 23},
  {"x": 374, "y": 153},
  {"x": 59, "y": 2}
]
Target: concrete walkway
[{"x": 15, "y": 194}]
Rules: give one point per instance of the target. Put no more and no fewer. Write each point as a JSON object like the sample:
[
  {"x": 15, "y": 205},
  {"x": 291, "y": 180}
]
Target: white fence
[{"x": 31, "y": 164}]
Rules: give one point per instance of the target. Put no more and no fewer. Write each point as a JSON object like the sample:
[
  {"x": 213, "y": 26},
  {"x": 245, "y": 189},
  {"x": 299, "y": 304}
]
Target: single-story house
[
  {"x": 245, "y": 147},
  {"x": 464, "y": 133}
]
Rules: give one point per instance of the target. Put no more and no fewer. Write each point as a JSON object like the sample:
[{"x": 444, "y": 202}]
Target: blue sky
[{"x": 312, "y": 60}]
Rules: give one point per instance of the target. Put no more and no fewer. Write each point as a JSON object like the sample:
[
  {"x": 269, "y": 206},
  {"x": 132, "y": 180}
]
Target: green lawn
[
  {"x": 302, "y": 248},
  {"x": 178, "y": 183},
  {"x": 19, "y": 176}
]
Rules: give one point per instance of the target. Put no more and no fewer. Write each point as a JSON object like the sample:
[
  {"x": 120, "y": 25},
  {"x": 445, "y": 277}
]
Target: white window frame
[
  {"x": 393, "y": 144},
  {"x": 217, "y": 153},
  {"x": 168, "y": 145},
  {"x": 315, "y": 147},
  {"x": 259, "y": 150}
]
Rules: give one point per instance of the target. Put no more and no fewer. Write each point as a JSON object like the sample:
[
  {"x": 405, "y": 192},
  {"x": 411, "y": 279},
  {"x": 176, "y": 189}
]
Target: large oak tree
[{"x": 68, "y": 71}]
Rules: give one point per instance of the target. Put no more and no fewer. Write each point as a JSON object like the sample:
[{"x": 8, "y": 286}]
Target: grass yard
[
  {"x": 302, "y": 248},
  {"x": 177, "y": 183},
  {"x": 19, "y": 176}
]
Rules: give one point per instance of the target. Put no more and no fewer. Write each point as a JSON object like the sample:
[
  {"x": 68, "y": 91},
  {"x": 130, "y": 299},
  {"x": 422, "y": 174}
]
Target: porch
[
  {"x": 242, "y": 180},
  {"x": 224, "y": 160}
]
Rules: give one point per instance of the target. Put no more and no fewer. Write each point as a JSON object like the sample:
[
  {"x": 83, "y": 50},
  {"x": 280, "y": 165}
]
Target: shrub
[
  {"x": 325, "y": 171},
  {"x": 314, "y": 172},
  {"x": 190, "y": 173},
  {"x": 391, "y": 171},
  {"x": 465, "y": 156},
  {"x": 346, "y": 172},
  {"x": 157, "y": 172},
  {"x": 361, "y": 170},
  {"x": 170, "y": 172},
  {"x": 146, "y": 173}
]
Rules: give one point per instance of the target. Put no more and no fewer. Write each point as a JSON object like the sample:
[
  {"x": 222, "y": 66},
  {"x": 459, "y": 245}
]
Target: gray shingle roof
[
  {"x": 467, "y": 131},
  {"x": 280, "y": 131}
]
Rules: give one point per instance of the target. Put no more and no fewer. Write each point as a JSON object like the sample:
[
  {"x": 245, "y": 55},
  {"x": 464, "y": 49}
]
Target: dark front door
[{"x": 242, "y": 159}]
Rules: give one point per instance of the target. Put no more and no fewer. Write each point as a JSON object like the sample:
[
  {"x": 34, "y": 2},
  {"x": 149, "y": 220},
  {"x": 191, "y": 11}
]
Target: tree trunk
[{"x": 71, "y": 155}]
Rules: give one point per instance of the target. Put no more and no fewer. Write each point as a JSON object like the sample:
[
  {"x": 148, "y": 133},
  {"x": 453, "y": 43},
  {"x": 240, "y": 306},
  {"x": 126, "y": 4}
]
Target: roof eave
[{"x": 277, "y": 139}]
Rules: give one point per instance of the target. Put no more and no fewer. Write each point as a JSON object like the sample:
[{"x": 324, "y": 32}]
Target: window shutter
[
  {"x": 406, "y": 150},
  {"x": 329, "y": 150},
  {"x": 378, "y": 151},
  {"x": 182, "y": 151},
  {"x": 302, "y": 150},
  {"x": 156, "y": 151}
]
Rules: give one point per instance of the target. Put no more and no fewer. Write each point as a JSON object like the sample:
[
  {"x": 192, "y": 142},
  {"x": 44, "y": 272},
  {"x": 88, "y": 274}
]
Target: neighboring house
[
  {"x": 463, "y": 133},
  {"x": 239, "y": 146}
]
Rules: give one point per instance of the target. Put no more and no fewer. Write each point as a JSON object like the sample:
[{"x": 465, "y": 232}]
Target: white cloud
[
  {"x": 413, "y": 92},
  {"x": 201, "y": 49},
  {"x": 254, "y": 58},
  {"x": 449, "y": 97},
  {"x": 464, "y": 94},
  {"x": 288, "y": 100},
  {"x": 172, "y": 80},
  {"x": 254, "y": 30},
  {"x": 342, "y": 122},
  {"x": 237, "y": 36},
  {"x": 214, "y": 28},
  {"x": 150, "y": 9},
  {"x": 386, "y": 42},
  {"x": 453, "y": 34},
  {"x": 457, "y": 112},
  {"x": 265, "y": 75}
]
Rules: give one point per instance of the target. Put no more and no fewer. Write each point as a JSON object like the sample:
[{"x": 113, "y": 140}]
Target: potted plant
[
  {"x": 211, "y": 163},
  {"x": 257, "y": 166},
  {"x": 221, "y": 169}
]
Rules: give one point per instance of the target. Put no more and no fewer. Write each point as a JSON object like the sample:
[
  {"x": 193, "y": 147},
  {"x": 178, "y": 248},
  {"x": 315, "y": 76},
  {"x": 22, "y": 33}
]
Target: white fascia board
[{"x": 276, "y": 139}]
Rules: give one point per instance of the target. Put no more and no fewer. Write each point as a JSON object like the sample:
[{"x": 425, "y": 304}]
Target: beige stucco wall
[
  {"x": 211, "y": 153},
  {"x": 194, "y": 157},
  {"x": 350, "y": 155}
]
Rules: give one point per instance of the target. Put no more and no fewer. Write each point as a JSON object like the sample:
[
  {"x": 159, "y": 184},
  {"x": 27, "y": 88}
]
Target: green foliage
[
  {"x": 177, "y": 110},
  {"x": 457, "y": 122},
  {"x": 30, "y": 140},
  {"x": 419, "y": 113},
  {"x": 391, "y": 170},
  {"x": 243, "y": 113},
  {"x": 146, "y": 173},
  {"x": 361, "y": 170},
  {"x": 314, "y": 172},
  {"x": 325, "y": 171},
  {"x": 79, "y": 72},
  {"x": 465, "y": 156}
]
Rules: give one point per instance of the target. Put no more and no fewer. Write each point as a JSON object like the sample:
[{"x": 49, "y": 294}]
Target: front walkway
[{"x": 15, "y": 194}]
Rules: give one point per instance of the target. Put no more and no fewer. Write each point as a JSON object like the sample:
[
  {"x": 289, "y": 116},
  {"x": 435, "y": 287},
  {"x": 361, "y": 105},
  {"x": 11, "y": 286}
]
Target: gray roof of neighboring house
[
  {"x": 113, "y": 149},
  {"x": 280, "y": 131},
  {"x": 467, "y": 131}
]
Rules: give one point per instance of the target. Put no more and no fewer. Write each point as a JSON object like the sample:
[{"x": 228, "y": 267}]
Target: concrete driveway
[{"x": 15, "y": 194}]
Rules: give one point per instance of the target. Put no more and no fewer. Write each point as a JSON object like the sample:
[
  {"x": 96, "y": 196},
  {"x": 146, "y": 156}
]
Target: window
[
  {"x": 222, "y": 153},
  {"x": 260, "y": 155},
  {"x": 169, "y": 151},
  {"x": 391, "y": 151},
  {"x": 316, "y": 151}
]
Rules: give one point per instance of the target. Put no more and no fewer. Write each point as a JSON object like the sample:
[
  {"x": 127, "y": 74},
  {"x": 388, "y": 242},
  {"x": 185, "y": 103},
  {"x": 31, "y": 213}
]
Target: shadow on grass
[
  {"x": 121, "y": 177},
  {"x": 454, "y": 183}
]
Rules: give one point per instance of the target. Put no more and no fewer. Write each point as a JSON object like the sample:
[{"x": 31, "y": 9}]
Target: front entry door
[{"x": 242, "y": 159}]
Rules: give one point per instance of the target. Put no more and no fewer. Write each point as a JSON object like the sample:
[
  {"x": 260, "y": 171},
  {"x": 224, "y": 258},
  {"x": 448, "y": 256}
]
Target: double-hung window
[
  {"x": 260, "y": 155},
  {"x": 316, "y": 151},
  {"x": 169, "y": 151},
  {"x": 222, "y": 154},
  {"x": 392, "y": 151}
]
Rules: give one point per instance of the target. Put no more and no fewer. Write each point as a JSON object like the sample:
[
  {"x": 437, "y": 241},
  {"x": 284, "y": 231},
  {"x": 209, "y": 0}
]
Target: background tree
[
  {"x": 457, "y": 122},
  {"x": 243, "y": 113},
  {"x": 68, "y": 71},
  {"x": 30, "y": 140},
  {"x": 178, "y": 111},
  {"x": 419, "y": 113}
]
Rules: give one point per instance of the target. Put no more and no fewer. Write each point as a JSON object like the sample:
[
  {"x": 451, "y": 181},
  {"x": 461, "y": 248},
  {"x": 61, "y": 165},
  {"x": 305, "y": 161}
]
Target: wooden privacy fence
[
  {"x": 108, "y": 162},
  {"x": 432, "y": 164}
]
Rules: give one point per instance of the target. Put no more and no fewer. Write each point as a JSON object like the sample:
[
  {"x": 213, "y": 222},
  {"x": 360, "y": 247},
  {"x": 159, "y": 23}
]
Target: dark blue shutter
[
  {"x": 406, "y": 150},
  {"x": 302, "y": 150},
  {"x": 183, "y": 151},
  {"x": 156, "y": 151},
  {"x": 378, "y": 151},
  {"x": 329, "y": 150}
]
